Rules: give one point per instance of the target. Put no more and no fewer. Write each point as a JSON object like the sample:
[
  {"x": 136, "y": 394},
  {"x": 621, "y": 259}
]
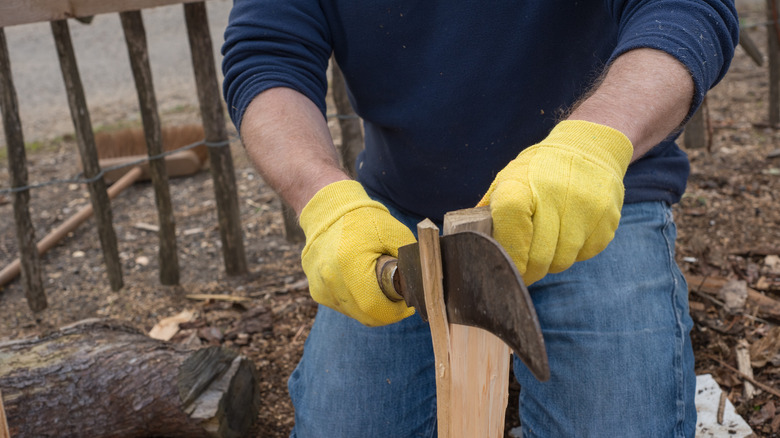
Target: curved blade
[{"x": 482, "y": 288}]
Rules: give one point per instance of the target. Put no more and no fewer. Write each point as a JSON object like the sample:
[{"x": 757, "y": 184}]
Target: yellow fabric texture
[
  {"x": 559, "y": 201},
  {"x": 346, "y": 231}
]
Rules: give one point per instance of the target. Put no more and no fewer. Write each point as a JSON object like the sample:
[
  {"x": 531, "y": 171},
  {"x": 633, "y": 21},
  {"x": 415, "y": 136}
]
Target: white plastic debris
[{"x": 708, "y": 398}]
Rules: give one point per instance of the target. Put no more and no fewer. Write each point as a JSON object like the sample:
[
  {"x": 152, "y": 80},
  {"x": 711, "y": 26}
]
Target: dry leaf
[
  {"x": 733, "y": 294},
  {"x": 766, "y": 349}
]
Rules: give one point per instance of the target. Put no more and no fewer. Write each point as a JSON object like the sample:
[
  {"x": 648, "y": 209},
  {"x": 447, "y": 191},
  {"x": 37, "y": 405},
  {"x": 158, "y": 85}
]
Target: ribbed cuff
[
  {"x": 331, "y": 203},
  {"x": 601, "y": 144}
]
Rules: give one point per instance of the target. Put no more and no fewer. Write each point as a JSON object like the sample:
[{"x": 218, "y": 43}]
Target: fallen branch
[
  {"x": 752, "y": 380},
  {"x": 767, "y": 307}
]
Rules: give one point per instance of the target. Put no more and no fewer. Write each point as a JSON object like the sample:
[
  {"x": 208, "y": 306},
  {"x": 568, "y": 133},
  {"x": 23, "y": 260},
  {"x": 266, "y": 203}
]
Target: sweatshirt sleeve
[
  {"x": 271, "y": 43},
  {"x": 701, "y": 34}
]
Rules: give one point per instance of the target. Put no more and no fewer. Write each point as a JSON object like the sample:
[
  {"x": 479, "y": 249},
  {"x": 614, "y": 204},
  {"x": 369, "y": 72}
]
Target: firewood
[{"x": 101, "y": 378}]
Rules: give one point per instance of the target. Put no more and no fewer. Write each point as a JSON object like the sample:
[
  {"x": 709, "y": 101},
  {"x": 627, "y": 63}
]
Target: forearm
[
  {"x": 289, "y": 143},
  {"x": 646, "y": 94}
]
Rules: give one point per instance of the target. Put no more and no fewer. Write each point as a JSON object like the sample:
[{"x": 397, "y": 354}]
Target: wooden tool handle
[{"x": 386, "y": 275}]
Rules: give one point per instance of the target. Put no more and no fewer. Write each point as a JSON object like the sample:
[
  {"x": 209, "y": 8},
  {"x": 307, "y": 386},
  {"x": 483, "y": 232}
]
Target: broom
[{"x": 123, "y": 147}]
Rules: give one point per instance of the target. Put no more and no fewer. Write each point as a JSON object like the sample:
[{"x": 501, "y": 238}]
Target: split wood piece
[
  {"x": 17, "y": 166},
  {"x": 433, "y": 287},
  {"x": 82, "y": 124},
  {"x": 135, "y": 37},
  {"x": 479, "y": 361},
  {"x": 744, "y": 367},
  {"x": 212, "y": 113},
  {"x": 4, "y": 431},
  {"x": 103, "y": 378},
  {"x": 765, "y": 306}
]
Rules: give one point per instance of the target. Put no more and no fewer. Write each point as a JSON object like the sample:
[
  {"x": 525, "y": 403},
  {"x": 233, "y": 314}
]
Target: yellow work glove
[
  {"x": 559, "y": 201},
  {"x": 346, "y": 231}
]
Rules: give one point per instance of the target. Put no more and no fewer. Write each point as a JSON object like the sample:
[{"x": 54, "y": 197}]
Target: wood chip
[
  {"x": 743, "y": 365},
  {"x": 146, "y": 227},
  {"x": 4, "y": 431},
  {"x": 168, "y": 327}
]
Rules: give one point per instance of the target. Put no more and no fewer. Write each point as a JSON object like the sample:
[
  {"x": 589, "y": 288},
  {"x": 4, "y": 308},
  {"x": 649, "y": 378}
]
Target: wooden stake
[
  {"x": 135, "y": 37},
  {"x": 744, "y": 366},
  {"x": 79, "y": 112},
  {"x": 479, "y": 361},
  {"x": 4, "y": 431},
  {"x": 430, "y": 262},
  {"x": 222, "y": 171},
  {"x": 32, "y": 271},
  {"x": 773, "y": 49}
]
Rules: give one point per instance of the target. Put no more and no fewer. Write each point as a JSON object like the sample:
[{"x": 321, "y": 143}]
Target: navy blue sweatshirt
[{"x": 451, "y": 91}]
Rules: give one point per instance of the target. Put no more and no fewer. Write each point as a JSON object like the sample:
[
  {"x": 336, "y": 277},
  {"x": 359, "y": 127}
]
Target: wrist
[
  {"x": 600, "y": 144},
  {"x": 332, "y": 202}
]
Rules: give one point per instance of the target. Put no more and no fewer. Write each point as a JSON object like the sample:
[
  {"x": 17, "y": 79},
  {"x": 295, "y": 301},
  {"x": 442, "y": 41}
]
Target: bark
[{"x": 102, "y": 378}]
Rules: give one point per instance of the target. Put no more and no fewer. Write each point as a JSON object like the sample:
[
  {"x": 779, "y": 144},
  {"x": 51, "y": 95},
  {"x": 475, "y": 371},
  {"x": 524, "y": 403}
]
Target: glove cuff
[
  {"x": 601, "y": 144},
  {"x": 331, "y": 203}
]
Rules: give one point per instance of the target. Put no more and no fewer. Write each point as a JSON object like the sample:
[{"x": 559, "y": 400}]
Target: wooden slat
[
  {"x": 101, "y": 205},
  {"x": 773, "y": 47},
  {"x": 479, "y": 361},
  {"x": 13, "y": 12},
  {"x": 32, "y": 276},
  {"x": 135, "y": 36},
  {"x": 430, "y": 263},
  {"x": 222, "y": 171}
]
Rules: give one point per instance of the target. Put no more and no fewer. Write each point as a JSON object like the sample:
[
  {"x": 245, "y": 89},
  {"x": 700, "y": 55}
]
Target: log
[
  {"x": 104, "y": 378},
  {"x": 773, "y": 49}
]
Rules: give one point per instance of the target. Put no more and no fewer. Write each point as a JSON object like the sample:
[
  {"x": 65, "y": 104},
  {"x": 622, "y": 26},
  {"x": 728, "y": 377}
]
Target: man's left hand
[{"x": 559, "y": 201}]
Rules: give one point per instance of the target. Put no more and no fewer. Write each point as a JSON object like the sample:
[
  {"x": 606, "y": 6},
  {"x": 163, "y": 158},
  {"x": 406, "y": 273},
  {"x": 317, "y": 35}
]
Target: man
[{"x": 556, "y": 114}]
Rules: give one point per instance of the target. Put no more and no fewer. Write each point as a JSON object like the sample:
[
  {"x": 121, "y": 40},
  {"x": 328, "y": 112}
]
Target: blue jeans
[{"x": 616, "y": 329}]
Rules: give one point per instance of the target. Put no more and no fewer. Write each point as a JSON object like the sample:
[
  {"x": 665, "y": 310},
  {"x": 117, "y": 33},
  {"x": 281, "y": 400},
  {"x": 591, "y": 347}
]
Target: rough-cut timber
[
  {"x": 32, "y": 276},
  {"x": 135, "y": 36},
  {"x": 222, "y": 171},
  {"x": 79, "y": 112},
  {"x": 102, "y": 378},
  {"x": 23, "y": 12}
]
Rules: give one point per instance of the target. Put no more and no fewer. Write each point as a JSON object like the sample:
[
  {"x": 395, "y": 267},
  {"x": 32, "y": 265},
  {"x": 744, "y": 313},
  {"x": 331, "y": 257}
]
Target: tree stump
[{"x": 103, "y": 378}]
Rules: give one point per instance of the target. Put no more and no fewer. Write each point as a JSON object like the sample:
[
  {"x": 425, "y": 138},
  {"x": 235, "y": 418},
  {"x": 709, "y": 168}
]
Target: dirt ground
[{"x": 729, "y": 228}]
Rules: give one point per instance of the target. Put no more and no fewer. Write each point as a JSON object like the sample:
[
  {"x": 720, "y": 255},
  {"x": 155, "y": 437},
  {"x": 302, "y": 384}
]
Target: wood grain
[
  {"x": 479, "y": 361},
  {"x": 430, "y": 262}
]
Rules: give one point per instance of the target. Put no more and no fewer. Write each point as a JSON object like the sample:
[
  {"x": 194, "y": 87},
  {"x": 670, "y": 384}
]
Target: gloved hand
[
  {"x": 346, "y": 231},
  {"x": 559, "y": 201}
]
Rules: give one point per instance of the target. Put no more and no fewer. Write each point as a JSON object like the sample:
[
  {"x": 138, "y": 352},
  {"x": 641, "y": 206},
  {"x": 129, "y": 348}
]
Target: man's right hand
[{"x": 346, "y": 231}]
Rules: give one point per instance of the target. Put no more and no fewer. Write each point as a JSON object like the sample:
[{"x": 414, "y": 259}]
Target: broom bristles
[{"x": 132, "y": 141}]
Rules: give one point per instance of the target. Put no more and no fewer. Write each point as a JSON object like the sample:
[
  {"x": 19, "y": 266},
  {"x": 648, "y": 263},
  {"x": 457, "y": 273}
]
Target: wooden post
[
  {"x": 773, "y": 47},
  {"x": 32, "y": 276},
  {"x": 479, "y": 361},
  {"x": 430, "y": 263},
  {"x": 222, "y": 171},
  {"x": 351, "y": 134},
  {"x": 696, "y": 129},
  {"x": 79, "y": 112},
  {"x": 135, "y": 36},
  {"x": 4, "y": 432}
]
